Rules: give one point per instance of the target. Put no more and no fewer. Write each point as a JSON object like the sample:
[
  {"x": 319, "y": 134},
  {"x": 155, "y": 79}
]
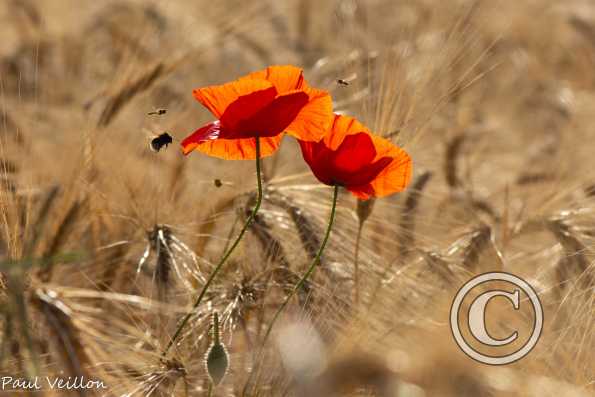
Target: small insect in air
[
  {"x": 342, "y": 82},
  {"x": 162, "y": 140},
  {"x": 218, "y": 183},
  {"x": 157, "y": 112}
]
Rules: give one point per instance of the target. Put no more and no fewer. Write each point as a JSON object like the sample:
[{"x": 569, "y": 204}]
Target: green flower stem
[
  {"x": 315, "y": 262},
  {"x": 300, "y": 283},
  {"x": 225, "y": 256}
]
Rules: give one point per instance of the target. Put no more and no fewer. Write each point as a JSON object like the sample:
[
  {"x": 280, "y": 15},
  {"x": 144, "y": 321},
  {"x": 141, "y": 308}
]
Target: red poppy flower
[
  {"x": 266, "y": 104},
  {"x": 365, "y": 164}
]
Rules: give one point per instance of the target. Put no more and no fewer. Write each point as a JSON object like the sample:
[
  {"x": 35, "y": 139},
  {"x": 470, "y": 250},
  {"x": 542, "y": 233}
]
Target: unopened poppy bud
[
  {"x": 364, "y": 209},
  {"x": 216, "y": 359}
]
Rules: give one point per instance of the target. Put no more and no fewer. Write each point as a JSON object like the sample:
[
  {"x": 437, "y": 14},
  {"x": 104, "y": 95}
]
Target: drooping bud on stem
[{"x": 364, "y": 209}]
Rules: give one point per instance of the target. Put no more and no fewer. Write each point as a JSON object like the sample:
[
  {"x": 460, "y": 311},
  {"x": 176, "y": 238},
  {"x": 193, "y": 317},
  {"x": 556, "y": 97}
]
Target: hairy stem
[
  {"x": 225, "y": 256},
  {"x": 356, "y": 263},
  {"x": 300, "y": 283}
]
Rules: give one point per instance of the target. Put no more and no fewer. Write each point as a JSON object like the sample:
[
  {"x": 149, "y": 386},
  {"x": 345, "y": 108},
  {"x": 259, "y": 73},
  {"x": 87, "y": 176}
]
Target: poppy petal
[
  {"x": 316, "y": 155},
  {"x": 396, "y": 176},
  {"x": 364, "y": 192},
  {"x": 206, "y": 133},
  {"x": 252, "y": 94},
  {"x": 285, "y": 78},
  {"x": 350, "y": 164},
  {"x": 277, "y": 116},
  {"x": 341, "y": 127},
  {"x": 354, "y": 153},
  {"x": 233, "y": 149},
  {"x": 362, "y": 182},
  {"x": 315, "y": 118},
  {"x": 393, "y": 178}
]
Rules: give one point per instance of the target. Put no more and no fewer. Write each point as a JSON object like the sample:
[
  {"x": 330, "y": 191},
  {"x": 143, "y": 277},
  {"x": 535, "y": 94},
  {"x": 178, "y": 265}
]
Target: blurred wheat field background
[{"x": 105, "y": 244}]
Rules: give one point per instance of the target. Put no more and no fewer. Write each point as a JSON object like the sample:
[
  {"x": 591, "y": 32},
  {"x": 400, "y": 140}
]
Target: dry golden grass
[{"x": 104, "y": 245}]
